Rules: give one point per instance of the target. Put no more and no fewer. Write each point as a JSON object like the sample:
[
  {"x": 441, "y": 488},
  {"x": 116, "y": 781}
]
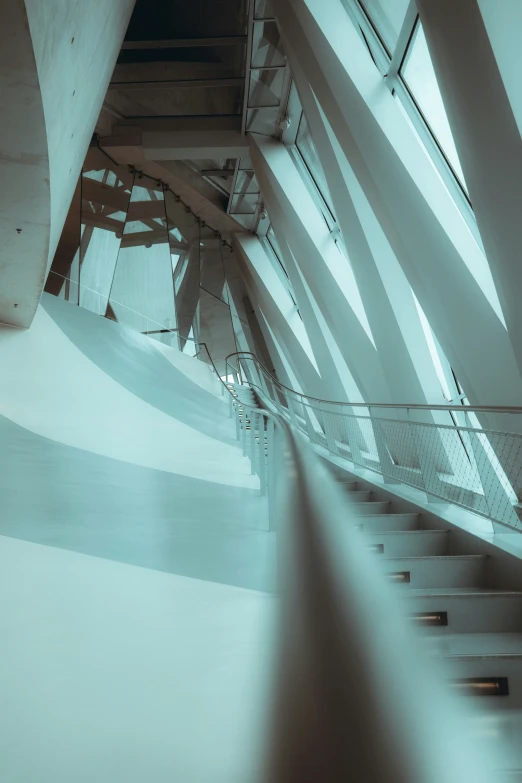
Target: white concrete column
[
  {"x": 24, "y": 172},
  {"x": 487, "y": 139},
  {"x": 75, "y": 45},
  {"x": 267, "y": 293},
  {"x": 429, "y": 237},
  {"x": 56, "y": 61},
  {"x": 384, "y": 289},
  {"x": 325, "y": 270}
]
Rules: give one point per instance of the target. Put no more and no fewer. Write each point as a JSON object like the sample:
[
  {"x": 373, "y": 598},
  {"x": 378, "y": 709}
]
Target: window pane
[
  {"x": 420, "y": 78},
  {"x": 267, "y": 49},
  {"x": 270, "y": 235},
  {"x": 308, "y": 152},
  {"x": 387, "y": 16}
]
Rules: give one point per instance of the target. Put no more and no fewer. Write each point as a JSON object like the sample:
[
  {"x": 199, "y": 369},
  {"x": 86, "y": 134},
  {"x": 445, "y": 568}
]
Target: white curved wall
[
  {"x": 50, "y": 387},
  {"x": 76, "y": 45}
]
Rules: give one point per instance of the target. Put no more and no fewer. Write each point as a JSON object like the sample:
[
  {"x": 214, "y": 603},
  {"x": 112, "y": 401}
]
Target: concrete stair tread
[
  {"x": 407, "y": 533},
  {"x": 476, "y": 645},
  {"x": 407, "y": 543},
  {"x": 392, "y": 514},
  {"x": 452, "y": 558},
  {"x": 461, "y": 592},
  {"x": 357, "y": 494},
  {"x": 371, "y": 507}
]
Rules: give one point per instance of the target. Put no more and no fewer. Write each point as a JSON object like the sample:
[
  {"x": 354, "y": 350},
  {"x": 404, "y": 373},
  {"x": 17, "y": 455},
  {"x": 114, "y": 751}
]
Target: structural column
[
  {"x": 487, "y": 139},
  {"x": 429, "y": 237}
]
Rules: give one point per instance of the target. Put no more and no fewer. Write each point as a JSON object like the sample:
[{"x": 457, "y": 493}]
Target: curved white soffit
[
  {"x": 199, "y": 372},
  {"x": 50, "y": 387}
]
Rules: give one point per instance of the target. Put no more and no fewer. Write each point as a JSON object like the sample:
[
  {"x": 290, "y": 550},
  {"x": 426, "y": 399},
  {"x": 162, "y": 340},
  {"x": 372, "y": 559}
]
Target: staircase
[
  {"x": 466, "y": 620},
  {"x": 449, "y": 595}
]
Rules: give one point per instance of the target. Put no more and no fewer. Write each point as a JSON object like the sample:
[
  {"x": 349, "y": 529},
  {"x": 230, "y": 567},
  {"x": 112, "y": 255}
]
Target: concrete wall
[
  {"x": 75, "y": 45},
  {"x": 24, "y": 172},
  {"x": 56, "y": 60}
]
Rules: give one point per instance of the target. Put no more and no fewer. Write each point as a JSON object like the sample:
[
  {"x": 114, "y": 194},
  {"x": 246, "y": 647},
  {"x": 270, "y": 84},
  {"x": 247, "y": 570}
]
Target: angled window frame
[
  {"x": 311, "y": 184},
  {"x": 279, "y": 266},
  {"x": 389, "y": 64}
]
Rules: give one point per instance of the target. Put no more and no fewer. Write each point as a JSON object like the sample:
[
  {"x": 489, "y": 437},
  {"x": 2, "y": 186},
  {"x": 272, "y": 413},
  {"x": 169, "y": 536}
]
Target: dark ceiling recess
[
  {"x": 189, "y": 55},
  {"x": 182, "y": 66},
  {"x": 159, "y": 19},
  {"x": 179, "y": 21}
]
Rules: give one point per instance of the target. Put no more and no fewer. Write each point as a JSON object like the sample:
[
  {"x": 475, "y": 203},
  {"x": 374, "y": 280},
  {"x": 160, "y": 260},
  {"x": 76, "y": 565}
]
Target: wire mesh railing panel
[
  {"x": 494, "y": 452},
  {"x": 461, "y": 463}
]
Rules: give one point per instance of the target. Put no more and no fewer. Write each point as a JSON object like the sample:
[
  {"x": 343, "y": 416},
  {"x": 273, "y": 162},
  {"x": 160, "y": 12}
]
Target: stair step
[
  {"x": 361, "y": 495},
  {"x": 475, "y": 645},
  {"x": 349, "y": 486},
  {"x": 371, "y": 508},
  {"x": 483, "y": 656},
  {"x": 481, "y": 611},
  {"x": 445, "y": 571},
  {"x": 388, "y": 523},
  {"x": 410, "y": 543}
]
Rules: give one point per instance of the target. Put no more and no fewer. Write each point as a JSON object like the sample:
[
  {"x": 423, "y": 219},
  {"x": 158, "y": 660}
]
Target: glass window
[
  {"x": 387, "y": 16},
  {"x": 276, "y": 250},
  {"x": 419, "y": 77},
  {"x": 263, "y": 9},
  {"x": 267, "y": 49},
  {"x": 309, "y": 154},
  {"x": 270, "y": 235}
]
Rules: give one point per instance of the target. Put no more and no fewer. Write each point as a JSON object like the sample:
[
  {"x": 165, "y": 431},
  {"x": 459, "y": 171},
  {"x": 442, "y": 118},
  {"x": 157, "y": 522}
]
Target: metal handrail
[
  {"x": 401, "y": 406},
  {"x": 477, "y": 468}
]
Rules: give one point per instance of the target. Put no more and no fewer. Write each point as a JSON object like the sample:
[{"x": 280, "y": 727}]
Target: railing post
[
  {"x": 354, "y": 435},
  {"x": 496, "y": 497},
  {"x": 383, "y": 452},
  {"x": 262, "y": 457},
  {"x": 427, "y": 465},
  {"x": 238, "y": 430},
  {"x": 244, "y": 433},
  {"x": 309, "y": 427},
  {"x": 271, "y": 478},
  {"x": 328, "y": 429},
  {"x": 291, "y": 411},
  {"x": 230, "y": 404},
  {"x": 253, "y": 419}
]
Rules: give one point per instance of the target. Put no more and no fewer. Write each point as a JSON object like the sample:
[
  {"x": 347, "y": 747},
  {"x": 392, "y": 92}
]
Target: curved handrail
[
  {"x": 401, "y": 406},
  {"x": 343, "y": 649}
]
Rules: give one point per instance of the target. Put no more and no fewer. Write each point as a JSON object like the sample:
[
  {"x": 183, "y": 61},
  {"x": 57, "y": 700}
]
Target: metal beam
[
  {"x": 145, "y": 238},
  {"x": 181, "y": 43},
  {"x": 217, "y": 172},
  {"x": 248, "y": 64},
  {"x": 145, "y": 210},
  {"x": 401, "y": 47},
  {"x": 168, "y": 84},
  {"x": 195, "y": 145},
  {"x": 104, "y": 195},
  {"x": 194, "y": 122}
]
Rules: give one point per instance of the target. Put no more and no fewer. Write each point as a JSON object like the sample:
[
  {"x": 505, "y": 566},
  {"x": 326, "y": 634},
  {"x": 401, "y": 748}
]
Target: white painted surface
[
  {"x": 75, "y": 45},
  {"x": 503, "y": 24},
  {"x": 48, "y": 386},
  {"x": 199, "y": 372},
  {"x": 110, "y": 672}
]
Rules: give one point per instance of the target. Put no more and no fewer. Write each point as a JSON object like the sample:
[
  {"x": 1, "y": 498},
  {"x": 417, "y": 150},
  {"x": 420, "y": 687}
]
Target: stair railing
[
  {"x": 463, "y": 455},
  {"x": 352, "y": 696}
]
